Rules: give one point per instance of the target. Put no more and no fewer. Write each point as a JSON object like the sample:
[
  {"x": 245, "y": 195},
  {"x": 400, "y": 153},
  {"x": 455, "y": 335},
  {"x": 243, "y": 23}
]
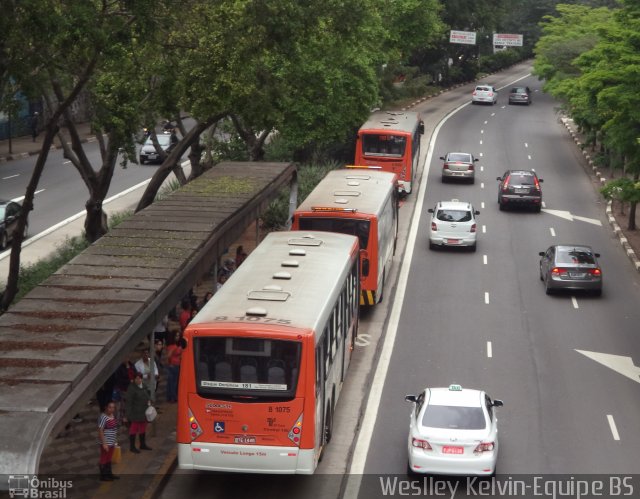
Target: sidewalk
[{"x": 23, "y": 147}]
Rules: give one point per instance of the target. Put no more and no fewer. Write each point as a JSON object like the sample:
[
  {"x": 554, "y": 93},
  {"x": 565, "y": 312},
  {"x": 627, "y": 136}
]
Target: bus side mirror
[
  {"x": 421, "y": 128},
  {"x": 364, "y": 263},
  {"x": 410, "y": 398},
  {"x": 182, "y": 343}
]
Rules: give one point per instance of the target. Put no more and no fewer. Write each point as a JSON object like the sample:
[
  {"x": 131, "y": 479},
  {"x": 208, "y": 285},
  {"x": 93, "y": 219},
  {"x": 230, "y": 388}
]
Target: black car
[
  {"x": 520, "y": 95},
  {"x": 520, "y": 188},
  {"x": 148, "y": 151},
  {"x": 9, "y": 214}
]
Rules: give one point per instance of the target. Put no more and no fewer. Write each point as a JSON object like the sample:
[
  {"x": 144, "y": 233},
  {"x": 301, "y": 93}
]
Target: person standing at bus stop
[
  {"x": 174, "y": 356},
  {"x": 108, "y": 439},
  {"x": 137, "y": 400}
]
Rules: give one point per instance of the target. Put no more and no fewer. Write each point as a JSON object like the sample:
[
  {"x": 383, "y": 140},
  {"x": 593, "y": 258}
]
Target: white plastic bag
[{"x": 151, "y": 413}]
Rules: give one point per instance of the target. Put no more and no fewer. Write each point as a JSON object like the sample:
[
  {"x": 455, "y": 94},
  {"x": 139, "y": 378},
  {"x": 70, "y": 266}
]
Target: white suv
[
  {"x": 453, "y": 223},
  {"x": 484, "y": 94}
]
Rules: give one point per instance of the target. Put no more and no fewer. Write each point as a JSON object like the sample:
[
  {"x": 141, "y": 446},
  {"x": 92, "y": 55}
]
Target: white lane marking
[
  {"x": 485, "y": 122},
  {"x": 366, "y": 431},
  {"x": 480, "y": 154},
  {"x": 544, "y": 205},
  {"x": 484, "y": 259},
  {"x": 489, "y": 350},
  {"x": 526, "y": 145},
  {"x": 481, "y": 131},
  {"x": 574, "y": 302},
  {"x": 481, "y": 185},
  {"x": 553, "y": 232},
  {"x": 66, "y": 162},
  {"x": 10, "y": 176},
  {"x": 482, "y": 205},
  {"x": 482, "y": 168},
  {"x": 486, "y": 297},
  {"x": 493, "y": 114},
  {"x": 529, "y": 156},
  {"x": 484, "y": 229},
  {"x": 612, "y": 426},
  {"x": 480, "y": 142},
  {"x": 17, "y": 200}
]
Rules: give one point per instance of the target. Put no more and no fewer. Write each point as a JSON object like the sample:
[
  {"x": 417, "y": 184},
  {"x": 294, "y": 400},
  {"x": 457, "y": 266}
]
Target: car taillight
[
  {"x": 473, "y": 228},
  {"x": 490, "y": 94},
  {"x": 537, "y": 186},
  {"x": 484, "y": 447},
  {"x": 474, "y": 93},
  {"x": 505, "y": 186},
  {"x": 421, "y": 444},
  {"x": 596, "y": 272},
  {"x": 445, "y": 166},
  {"x": 558, "y": 270},
  {"x": 471, "y": 166},
  {"x": 434, "y": 227}
]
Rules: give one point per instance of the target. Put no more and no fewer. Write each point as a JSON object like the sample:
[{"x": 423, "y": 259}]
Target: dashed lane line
[{"x": 613, "y": 427}]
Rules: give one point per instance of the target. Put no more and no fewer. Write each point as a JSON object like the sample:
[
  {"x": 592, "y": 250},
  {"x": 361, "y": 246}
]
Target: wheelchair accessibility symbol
[{"x": 218, "y": 426}]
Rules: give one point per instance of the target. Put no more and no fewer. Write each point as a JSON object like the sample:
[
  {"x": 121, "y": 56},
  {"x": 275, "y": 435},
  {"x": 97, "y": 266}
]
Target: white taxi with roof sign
[{"x": 453, "y": 431}]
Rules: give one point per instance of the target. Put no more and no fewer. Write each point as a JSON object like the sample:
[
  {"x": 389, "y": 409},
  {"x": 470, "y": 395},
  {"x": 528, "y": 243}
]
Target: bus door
[{"x": 320, "y": 396}]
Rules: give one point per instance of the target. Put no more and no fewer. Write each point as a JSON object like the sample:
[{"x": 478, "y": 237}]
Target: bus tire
[
  {"x": 384, "y": 280},
  {"x": 328, "y": 425}
]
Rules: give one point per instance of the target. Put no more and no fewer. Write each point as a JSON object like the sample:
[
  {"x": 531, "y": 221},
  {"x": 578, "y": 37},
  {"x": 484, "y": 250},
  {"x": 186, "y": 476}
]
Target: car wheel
[
  {"x": 3, "y": 240},
  {"x": 547, "y": 289},
  {"x": 501, "y": 206},
  {"x": 597, "y": 292},
  {"x": 410, "y": 472},
  {"x": 142, "y": 161},
  {"x": 472, "y": 180},
  {"x": 540, "y": 274},
  {"x": 432, "y": 246},
  {"x": 473, "y": 247},
  {"x": 537, "y": 208}
]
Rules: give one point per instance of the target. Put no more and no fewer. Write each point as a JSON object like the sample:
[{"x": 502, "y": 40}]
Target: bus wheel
[
  {"x": 328, "y": 425},
  {"x": 384, "y": 280}
]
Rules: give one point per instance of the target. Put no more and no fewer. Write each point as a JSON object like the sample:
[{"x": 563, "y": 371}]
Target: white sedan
[
  {"x": 453, "y": 431},
  {"x": 453, "y": 223}
]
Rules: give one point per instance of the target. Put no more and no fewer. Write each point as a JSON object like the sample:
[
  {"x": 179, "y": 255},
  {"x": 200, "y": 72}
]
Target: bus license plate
[{"x": 450, "y": 449}]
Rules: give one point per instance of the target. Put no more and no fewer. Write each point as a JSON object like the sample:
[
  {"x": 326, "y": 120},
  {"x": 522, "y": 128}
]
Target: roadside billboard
[
  {"x": 507, "y": 40},
  {"x": 465, "y": 37}
]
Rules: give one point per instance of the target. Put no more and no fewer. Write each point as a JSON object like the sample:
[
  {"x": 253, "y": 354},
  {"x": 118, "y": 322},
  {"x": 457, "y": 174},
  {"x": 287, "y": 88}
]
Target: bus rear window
[
  {"x": 358, "y": 228},
  {"x": 383, "y": 145},
  {"x": 253, "y": 368}
]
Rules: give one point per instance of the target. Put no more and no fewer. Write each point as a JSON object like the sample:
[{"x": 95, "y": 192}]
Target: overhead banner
[
  {"x": 465, "y": 37},
  {"x": 507, "y": 40}
]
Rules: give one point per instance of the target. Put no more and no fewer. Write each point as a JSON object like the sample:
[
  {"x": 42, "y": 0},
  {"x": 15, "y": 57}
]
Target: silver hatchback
[
  {"x": 453, "y": 223},
  {"x": 572, "y": 267}
]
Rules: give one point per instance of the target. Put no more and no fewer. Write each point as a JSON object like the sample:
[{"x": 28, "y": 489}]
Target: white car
[
  {"x": 485, "y": 94},
  {"x": 453, "y": 431},
  {"x": 453, "y": 223}
]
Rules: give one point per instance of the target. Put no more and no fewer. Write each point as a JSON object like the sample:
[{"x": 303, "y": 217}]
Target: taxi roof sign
[{"x": 455, "y": 388}]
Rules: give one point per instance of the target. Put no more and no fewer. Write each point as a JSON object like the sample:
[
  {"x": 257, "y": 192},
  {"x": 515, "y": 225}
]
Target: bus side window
[{"x": 319, "y": 362}]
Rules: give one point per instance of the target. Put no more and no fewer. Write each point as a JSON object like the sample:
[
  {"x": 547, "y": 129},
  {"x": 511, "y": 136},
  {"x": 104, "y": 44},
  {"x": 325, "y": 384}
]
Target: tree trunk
[
  {"x": 254, "y": 145},
  {"x": 632, "y": 216},
  {"x": 95, "y": 223},
  {"x": 195, "y": 157}
]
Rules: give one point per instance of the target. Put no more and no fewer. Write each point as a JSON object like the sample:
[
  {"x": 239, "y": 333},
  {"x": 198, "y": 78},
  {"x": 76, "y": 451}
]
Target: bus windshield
[
  {"x": 383, "y": 145},
  {"x": 358, "y": 228},
  {"x": 250, "y": 368}
]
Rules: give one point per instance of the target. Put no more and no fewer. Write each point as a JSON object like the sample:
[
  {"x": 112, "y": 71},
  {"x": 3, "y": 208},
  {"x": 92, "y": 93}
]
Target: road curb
[
  {"x": 162, "y": 476},
  {"x": 617, "y": 230}
]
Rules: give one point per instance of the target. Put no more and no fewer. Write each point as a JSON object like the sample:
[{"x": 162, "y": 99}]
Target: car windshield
[
  {"x": 521, "y": 179},
  {"x": 454, "y": 417},
  {"x": 163, "y": 140},
  {"x": 575, "y": 255},
  {"x": 454, "y": 215},
  {"x": 458, "y": 156}
]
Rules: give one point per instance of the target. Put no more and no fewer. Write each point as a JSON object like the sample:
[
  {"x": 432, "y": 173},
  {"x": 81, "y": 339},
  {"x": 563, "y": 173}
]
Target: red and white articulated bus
[
  {"x": 391, "y": 140},
  {"x": 363, "y": 202},
  {"x": 265, "y": 359}
]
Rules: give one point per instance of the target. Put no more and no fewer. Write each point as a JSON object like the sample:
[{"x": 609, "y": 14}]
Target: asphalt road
[{"x": 564, "y": 412}]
